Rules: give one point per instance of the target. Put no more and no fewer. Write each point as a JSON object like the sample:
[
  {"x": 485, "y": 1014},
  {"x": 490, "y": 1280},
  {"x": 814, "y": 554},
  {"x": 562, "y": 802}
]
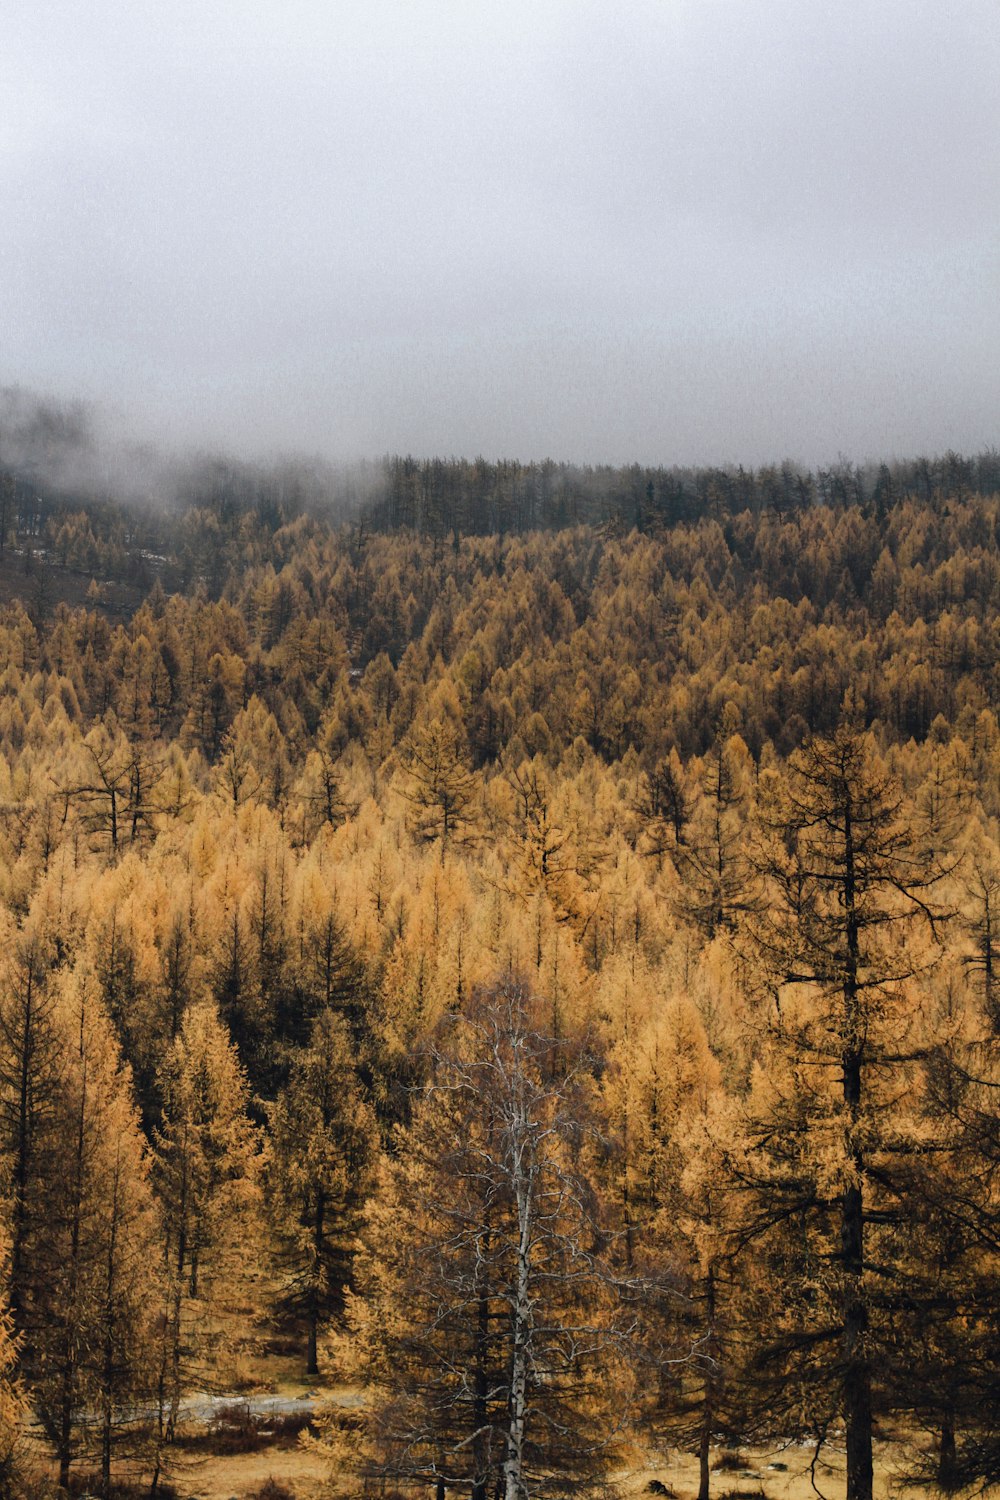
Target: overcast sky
[{"x": 674, "y": 231}]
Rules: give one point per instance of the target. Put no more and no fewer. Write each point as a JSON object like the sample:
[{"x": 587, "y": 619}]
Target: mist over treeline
[
  {"x": 65, "y": 453},
  {"x": 62, "y": 452},
  {"x": 437, "y": 496}
]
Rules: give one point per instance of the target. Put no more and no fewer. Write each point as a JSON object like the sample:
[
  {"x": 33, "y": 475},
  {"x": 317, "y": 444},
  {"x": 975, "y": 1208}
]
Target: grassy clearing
[
  {"x": 763, "y": 1474},
  {"x": 778, "y": 1473},
  {"x": 242, "y": 1455},
  {"x": 296, "y": 1472},
  {"x": 284, "y": 1470}
]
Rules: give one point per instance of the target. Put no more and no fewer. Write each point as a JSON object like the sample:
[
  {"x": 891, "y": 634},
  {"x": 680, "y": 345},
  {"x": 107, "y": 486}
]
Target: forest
[{"x": 523, "y": 943}]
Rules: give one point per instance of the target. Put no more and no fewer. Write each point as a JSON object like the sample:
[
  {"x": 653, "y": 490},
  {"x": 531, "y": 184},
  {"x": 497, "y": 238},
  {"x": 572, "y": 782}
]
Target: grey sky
[{"x": 667, "y": 230}]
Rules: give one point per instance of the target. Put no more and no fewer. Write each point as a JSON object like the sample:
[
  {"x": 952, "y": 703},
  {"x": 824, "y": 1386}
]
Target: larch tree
[
  {"x": 528, "y": 818},
  {"x": 322, "y": 1137},
  {"x": 716, "y": 877},
  {"x": 661, "y": 1087},
  {"x": 206, "y": 1172},
  {"x": 665, "y": 806},
  {"x": 105, "y": 787},
  {"x": 437, "y": 781},
  {"x": 32, "y": 1062},
  {"x": 946, "y": 1374},
  {"x": 253, "y": 763},
  {"x": 817, "y": 1164},
  {"x": 981, "y": 919},
  {"x": 660, "y": 1069},
  {"x": 96, "y": 1252},
  {"x": 12, "y": 1404},
  {"x": 968, "y": 1377},
  {"x": 321, "y": 785},
  {"x": 178, "y": 966},
  {"x": 690, "y": 1283},
  {"x": 325, "y": 972},
  {"x": 213, "y": 701}
]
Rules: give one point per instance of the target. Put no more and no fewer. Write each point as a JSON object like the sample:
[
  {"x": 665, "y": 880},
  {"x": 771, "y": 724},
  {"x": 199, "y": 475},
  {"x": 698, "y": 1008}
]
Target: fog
[{"x": 672, "y": 231}]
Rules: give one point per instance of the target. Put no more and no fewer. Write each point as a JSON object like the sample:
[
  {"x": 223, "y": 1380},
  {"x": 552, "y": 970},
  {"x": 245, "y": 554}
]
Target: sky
[{"x": 663, "y": 231}]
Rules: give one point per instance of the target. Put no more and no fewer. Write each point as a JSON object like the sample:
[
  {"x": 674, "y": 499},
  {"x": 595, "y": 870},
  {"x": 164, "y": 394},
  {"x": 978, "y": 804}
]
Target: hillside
[{"x": 543, "y": 976}]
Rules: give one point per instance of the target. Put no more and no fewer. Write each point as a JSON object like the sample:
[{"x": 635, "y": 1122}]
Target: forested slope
[{"x": 530, "y": 965}]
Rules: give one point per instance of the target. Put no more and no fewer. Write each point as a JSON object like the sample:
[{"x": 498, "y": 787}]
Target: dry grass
[
  {"x": 295, "y": 1473},
  {"x": 271, "y": 1474},
  {"x": 779, "y": 1473}
]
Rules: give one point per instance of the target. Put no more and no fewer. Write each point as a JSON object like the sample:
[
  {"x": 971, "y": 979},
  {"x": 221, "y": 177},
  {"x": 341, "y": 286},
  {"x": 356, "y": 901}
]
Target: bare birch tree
[{"x": 488, "y": 1322}]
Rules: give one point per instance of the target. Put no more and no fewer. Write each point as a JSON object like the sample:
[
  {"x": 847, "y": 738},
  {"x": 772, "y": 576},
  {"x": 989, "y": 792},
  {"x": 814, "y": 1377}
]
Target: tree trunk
[
  {"x": 312, "y": 1364},
  {"x": 514, "y": 1458},
  {"x": 703, "y": 1452},
  {"x": 480, "y": 1445},
  {"x": 711, "y": 1385},
  {"x": 64, "y": 1444},
  {"x": 108, "y": 1365},
  {"x": 22, "y": 1152},
  {"x": 946, "y": 1475},
  {"x": 857, "y": 1371},
  {"x": 175, "y": 1361},
  {"x": 106, "y": 1430},
  {"x": 627, "y": 1197}
]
